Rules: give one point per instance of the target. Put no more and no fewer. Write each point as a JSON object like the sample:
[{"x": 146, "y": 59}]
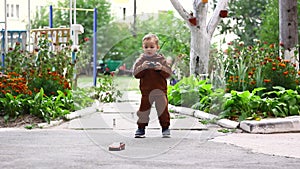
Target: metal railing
[
  {"x": 58, "y": 36},
  {"x": 13, "y": 36}
]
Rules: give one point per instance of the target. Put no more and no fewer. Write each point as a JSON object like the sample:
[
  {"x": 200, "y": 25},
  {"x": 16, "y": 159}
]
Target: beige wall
[
  {"x": 18, "y": 12},
  {"x": 19, "y": 20},
  {"x": 145, "y": 6}
]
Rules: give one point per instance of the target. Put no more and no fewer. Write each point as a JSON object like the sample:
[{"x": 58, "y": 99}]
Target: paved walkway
[
  {"x": 83, "y": 142},
  {"x": 122, "y": 116}
]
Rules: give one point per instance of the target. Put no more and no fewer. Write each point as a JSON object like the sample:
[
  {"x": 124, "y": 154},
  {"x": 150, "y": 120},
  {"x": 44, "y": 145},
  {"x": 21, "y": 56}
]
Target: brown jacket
[{"x": 151, "y": 79}]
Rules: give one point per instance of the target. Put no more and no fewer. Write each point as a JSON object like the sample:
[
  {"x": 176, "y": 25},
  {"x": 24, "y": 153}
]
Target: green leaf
[
  {"x": 294, "y": 110},
  {"x": 6, "y": 117}
]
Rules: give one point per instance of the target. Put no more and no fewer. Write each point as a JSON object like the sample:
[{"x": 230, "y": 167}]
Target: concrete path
[
  {"x": 88, "y": 149},
  {"x": 83, "y": 142},
  {"x": 121, "y": 116}
]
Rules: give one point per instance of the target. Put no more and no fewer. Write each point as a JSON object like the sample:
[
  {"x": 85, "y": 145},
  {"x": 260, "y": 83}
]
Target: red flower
[
  {"x": 226, "y": 51},
  {"x": 86, "y": 39},
  {"x": 281, "y": 44},
  {"x": 230, "y": 43}
]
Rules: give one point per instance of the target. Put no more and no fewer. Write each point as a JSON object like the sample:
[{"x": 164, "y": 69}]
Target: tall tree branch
[
  {"x": 196, "y": 3},
  {"x": 201, "y": 12},
  {"x": 179, "y": 8},
  {"x": 215, "y": 19}
]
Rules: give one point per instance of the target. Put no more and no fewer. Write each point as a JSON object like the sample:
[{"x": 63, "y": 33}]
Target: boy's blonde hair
[{"x": 151, "y": 36}]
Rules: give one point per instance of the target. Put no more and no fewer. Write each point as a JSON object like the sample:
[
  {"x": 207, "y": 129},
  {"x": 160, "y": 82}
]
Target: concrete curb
[
  {"x": 51, "y": 124},
  {"x": 264, "y": 126},
  {"x": 203, "y": 115},
  {"x": 71, "y": 116},
  {"x": 277, "y": 125}
]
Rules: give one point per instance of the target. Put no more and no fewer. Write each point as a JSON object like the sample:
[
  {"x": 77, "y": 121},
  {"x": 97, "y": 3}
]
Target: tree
[
  {"x": 288, "y": 28},
  {"x": 201, "y": 31},
  {"x": 85, "y": 18},
  {"x": 245, "y": 19},
  {"x": 269, "y": 29},
  {"x": 125, "y": 45}
]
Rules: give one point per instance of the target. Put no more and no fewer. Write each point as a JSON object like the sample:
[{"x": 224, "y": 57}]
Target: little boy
[{"x": 152, "y": 70}]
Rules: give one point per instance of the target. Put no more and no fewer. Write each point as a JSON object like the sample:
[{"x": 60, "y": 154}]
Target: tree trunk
[
  {"x": 288, "y": 26},
  {"x": 199, "y": 51},
  {"x": 201, "y": 32}
]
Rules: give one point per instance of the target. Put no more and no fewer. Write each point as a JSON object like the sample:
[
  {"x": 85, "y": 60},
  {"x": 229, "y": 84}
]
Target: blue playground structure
[
  {"x": 9, "y": 37},
  {"x": 13, "y": 36}
]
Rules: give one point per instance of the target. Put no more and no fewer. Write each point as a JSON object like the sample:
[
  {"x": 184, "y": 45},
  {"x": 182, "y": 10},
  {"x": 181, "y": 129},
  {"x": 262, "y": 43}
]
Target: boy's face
[{"x": 150, "y": 47}]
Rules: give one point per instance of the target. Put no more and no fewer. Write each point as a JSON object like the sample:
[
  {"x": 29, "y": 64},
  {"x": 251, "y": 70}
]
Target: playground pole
[
  {"x": 29, "y": 26},
  {"x": 5, "y": 35},
  {"x": 51, "y": 17},
  {"x": 95, "y": 47},
  {"x": 74, "y": 11},
  {"x": 70, "y": 13}
]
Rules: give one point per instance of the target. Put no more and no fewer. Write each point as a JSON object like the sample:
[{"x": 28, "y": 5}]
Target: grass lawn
[
  {"x": 126, "y": 83},
  {"x": 123, "y": 83}
]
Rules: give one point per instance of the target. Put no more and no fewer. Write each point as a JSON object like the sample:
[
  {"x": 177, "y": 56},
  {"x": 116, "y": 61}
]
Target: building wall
[
  {"x": 144, "y": 7},
  {"x": 17, "y": 12},
  {"x": 18, "y": 19}
]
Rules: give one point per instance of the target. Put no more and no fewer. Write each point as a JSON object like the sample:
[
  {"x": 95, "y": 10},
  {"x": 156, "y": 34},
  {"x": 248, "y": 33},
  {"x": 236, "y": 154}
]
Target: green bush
[
  {"x": 36, "y": 83},
  {"x": 188, "y": 92},
  {"x": 260, "y": 65},
  {"x": 106, "y": 91}
]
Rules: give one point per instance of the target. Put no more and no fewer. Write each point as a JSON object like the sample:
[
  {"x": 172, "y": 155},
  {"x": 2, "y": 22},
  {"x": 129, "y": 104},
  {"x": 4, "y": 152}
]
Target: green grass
[{"x": 124, "y": 83}]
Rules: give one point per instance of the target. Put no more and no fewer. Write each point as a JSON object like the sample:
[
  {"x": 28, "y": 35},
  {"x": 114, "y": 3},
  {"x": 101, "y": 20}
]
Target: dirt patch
[{"x": 20, "y": 122}]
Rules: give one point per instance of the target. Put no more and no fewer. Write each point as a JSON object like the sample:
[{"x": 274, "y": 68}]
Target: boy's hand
[
  {"x": 145, "y": 65},
  {"x": 158, "y": 66}
]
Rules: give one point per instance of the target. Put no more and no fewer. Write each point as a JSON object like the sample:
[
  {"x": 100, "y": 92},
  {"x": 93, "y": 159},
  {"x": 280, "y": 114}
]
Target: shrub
[
  {"x": 38, "y": 83},
  {"x": 106, "y": 91},
  {"x": 260, "y": 65},
  {"x": 190, "y": 91}
]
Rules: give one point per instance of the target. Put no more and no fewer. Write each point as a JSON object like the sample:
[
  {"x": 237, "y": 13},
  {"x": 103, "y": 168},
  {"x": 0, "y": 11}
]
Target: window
[
  {"x": 39, "y": 10},
  {"x": 12, "y": 11},
  {"x": 7, "y": 10},
  {"x": 17, "y": 11}
]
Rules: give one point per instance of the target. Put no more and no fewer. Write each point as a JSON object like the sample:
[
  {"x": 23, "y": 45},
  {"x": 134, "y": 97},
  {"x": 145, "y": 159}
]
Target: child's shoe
[
  {"x": 140, "y": 133},
  {"x": 166, "y": 133}
]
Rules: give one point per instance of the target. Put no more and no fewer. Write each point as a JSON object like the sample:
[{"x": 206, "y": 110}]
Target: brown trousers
[{"x": 161, "y": 105}]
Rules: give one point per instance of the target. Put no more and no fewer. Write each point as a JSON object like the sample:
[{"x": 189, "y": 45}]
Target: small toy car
[{"x": 117, "y": 146}]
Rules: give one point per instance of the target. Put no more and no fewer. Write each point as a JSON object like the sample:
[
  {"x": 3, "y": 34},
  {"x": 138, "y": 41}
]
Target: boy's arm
[
  {"x": 166, "y": 71},
  {"x": 138, "y": 69}
]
